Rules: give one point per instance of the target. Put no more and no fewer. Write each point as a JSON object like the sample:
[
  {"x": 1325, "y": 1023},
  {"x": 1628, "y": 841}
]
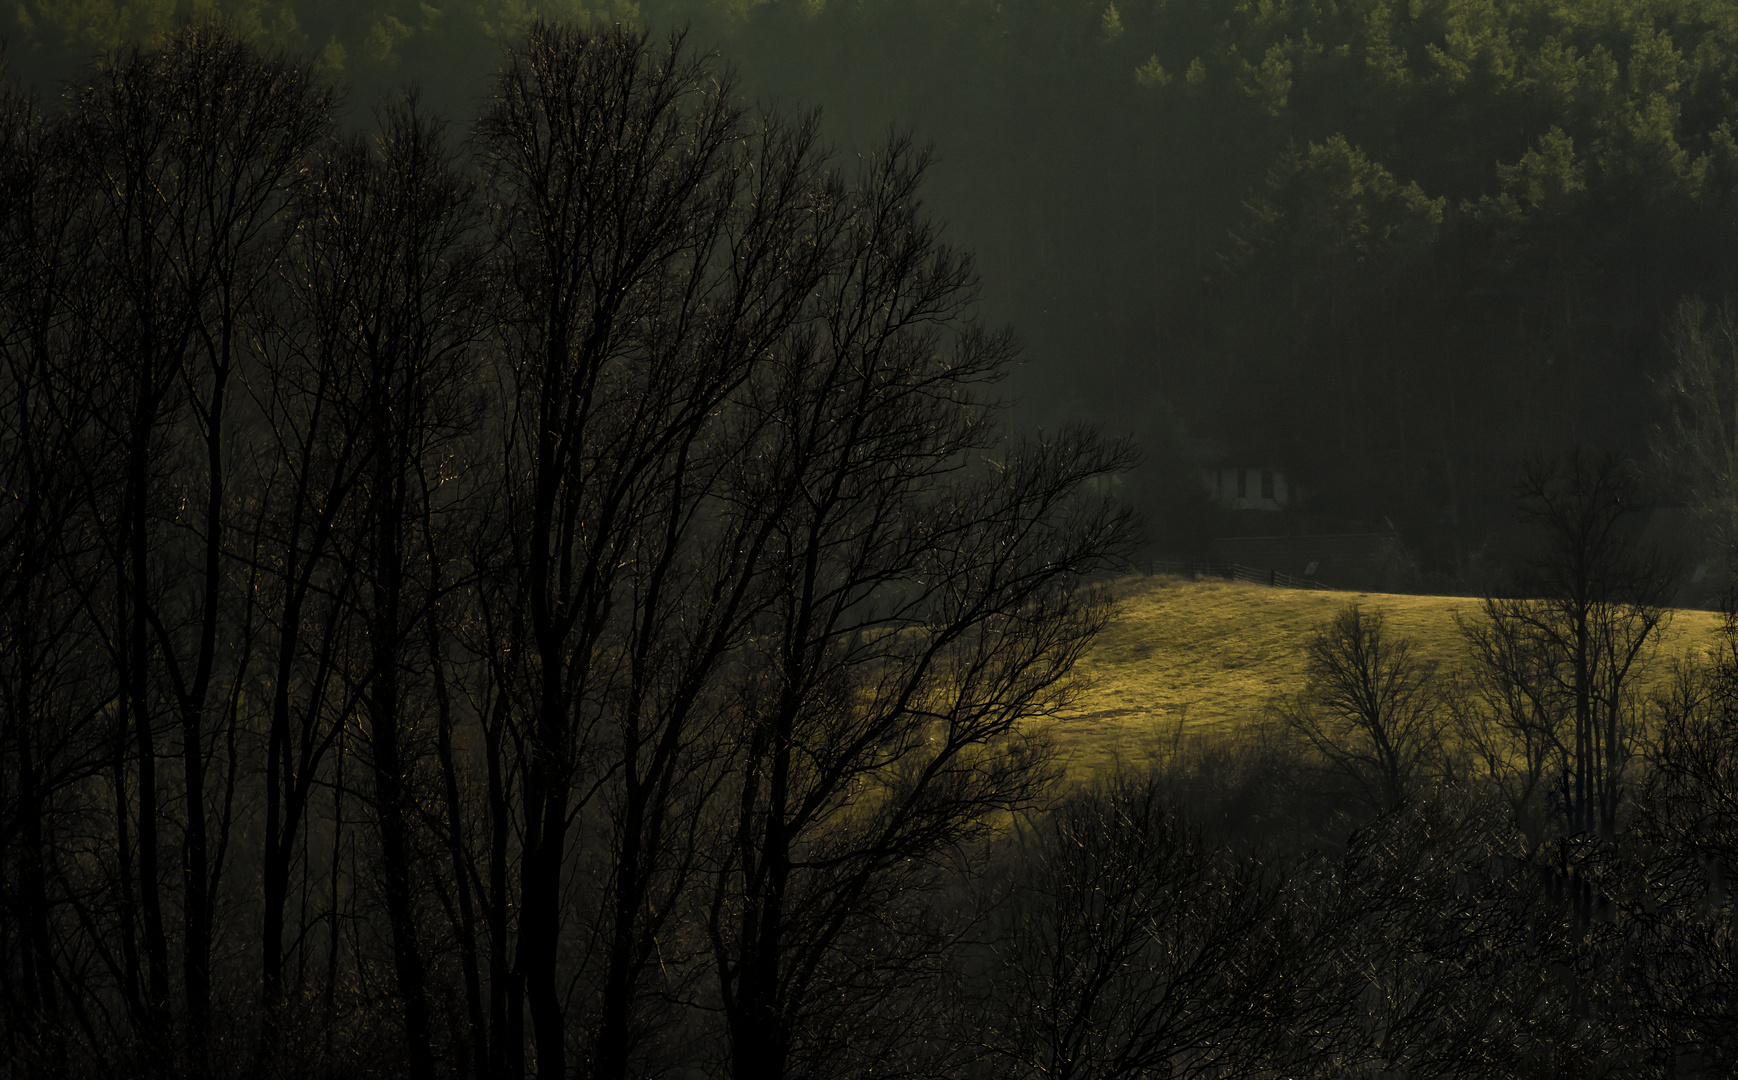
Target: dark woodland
[
  {"x": 1393, "y": 250},
  {"x": 571, "y": 597}
]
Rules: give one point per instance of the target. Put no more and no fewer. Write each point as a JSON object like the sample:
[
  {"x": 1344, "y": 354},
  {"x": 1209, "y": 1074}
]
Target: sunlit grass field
[{"x": 1211, "y": 655}]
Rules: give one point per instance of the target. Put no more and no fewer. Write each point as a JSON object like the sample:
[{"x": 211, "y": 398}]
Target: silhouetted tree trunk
[
  {"x": 643, "y": 307},
  {"x": 193, "y": 150},
  {"x": 1593, "y": 603},
  {"x": 416, "y": 317},
  {"x": 474, "y": 1041},
  {"x": 922, "y": 614},
  {"x": 53, "y": 689},
  {"x": 311, "y": 403}
]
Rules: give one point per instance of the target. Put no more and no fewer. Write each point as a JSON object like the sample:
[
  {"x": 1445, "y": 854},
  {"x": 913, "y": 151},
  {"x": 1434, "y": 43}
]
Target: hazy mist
[{"x": 1392, "y": 250}]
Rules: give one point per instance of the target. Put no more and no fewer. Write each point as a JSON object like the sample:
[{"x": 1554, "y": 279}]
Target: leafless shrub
[{"x": 1370, "y": 705}]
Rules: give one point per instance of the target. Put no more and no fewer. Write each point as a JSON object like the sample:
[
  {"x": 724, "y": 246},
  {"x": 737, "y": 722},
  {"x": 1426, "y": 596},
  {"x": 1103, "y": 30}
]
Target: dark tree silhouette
[
  {"x": 390, "y": 248},
  {"x": 594, "y": 590},
  {"x": 655, "y": 246},
  {"x": 189, "y": 154},
  {"x": 923, "y": 613},
  {"x": 1370, "y": 706},
  {"x": 1685, "y": 985},
  {"x": 1129, "y": 945},
  {"x": 1511, "y": 716},
  {"x": 55, "y": 730},
  {"x": 1588, "y": 612},
  {"x": 1450, "y": 954}
]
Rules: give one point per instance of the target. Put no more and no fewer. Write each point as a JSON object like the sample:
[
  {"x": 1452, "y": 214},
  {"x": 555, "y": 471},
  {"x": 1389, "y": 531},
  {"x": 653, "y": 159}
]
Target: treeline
[
  {"x": 1395, "y": 249},
  {"x": 1392, "y": 249},
  {"x": 550, "y": 607},
  {"x": 1483, "y": 217}
]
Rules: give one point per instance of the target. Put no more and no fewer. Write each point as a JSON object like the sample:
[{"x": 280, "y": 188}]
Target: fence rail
[{"x": 1233, "y": 572}]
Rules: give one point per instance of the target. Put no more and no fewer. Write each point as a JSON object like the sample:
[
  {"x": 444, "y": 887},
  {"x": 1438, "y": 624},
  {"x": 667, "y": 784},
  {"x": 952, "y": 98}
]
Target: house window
[
  {"x": 1267, "y": 483},
  {"x": 1242, "y": 484}
]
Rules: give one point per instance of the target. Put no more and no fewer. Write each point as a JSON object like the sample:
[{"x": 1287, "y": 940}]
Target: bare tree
[
  {"x": 311, "y": 396},
  {"x": 655, "y": 247},
  {"x": 1591, "y": 609},
  {"x": 923, "y": 613},
  {"x": 390, "y": 260},
  {"x": 1685, "y": 984},
  {"x": 1511, "y": 713},
  {"x": 1691, "y": 790},
  {"x": 1130, "y": 946},
  {"x": 191, "y": 151},
  {"x": 1698, "y": 443},
  {"x": 595, "y": 593},
  {"x": 1370, "y": 705},
  {"x": 1448, "y": 952},
  {"x": 55, "y": 727}
]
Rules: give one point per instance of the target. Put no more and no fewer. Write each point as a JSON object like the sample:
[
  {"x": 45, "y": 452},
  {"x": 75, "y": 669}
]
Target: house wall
[{"x": 1261, "y": 489}]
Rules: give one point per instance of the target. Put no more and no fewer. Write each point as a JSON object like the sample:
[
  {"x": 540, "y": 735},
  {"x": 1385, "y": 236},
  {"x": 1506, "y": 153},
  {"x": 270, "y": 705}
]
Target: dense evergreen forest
[
  {"x": 558, "y": 592},
  {"x": 1394, "y": 248}
]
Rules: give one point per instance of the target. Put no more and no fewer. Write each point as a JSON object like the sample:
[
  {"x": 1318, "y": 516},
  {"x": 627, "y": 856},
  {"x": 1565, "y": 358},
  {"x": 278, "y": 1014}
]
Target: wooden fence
[{"x": 1233, "y": 572}]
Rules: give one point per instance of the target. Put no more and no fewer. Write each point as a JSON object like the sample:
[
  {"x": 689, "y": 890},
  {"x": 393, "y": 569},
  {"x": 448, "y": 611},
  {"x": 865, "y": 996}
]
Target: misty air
[{"x": 834, "y": 539}]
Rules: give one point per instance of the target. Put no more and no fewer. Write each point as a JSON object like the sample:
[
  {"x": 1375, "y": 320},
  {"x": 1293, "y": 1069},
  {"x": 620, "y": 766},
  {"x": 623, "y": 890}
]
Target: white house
[{"x": 1247, "y": 489}]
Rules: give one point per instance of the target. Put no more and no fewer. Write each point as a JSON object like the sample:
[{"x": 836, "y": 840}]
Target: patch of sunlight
[{"x": 1187, "y": 655}]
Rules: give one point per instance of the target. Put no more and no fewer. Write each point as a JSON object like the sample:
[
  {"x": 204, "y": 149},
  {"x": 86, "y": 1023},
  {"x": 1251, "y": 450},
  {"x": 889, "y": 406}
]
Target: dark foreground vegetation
[
  {"x": 563, "y": 604},
  {"x": 555, "y": 611}
]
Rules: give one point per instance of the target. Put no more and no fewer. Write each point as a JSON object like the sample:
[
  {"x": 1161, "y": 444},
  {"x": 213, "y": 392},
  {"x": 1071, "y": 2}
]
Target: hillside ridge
[{"x": 1203, "y": 655}]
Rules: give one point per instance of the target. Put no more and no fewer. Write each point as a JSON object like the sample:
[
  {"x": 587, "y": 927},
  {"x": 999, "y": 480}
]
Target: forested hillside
[
  {"x": 1392, "y": 248},
  {"x": 534, "y": 576},
  {"x": 1395, "y": 248}
]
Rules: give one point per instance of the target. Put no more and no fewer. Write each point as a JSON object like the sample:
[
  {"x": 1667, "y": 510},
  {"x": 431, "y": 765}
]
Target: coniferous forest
[
  {"x": 1394, "y": 249},
  {"x": 568, "y": 595}
]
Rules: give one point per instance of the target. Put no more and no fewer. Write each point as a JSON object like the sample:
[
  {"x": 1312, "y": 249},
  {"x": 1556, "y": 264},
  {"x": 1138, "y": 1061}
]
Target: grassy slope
[{"x": 1207, "y": 654}]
